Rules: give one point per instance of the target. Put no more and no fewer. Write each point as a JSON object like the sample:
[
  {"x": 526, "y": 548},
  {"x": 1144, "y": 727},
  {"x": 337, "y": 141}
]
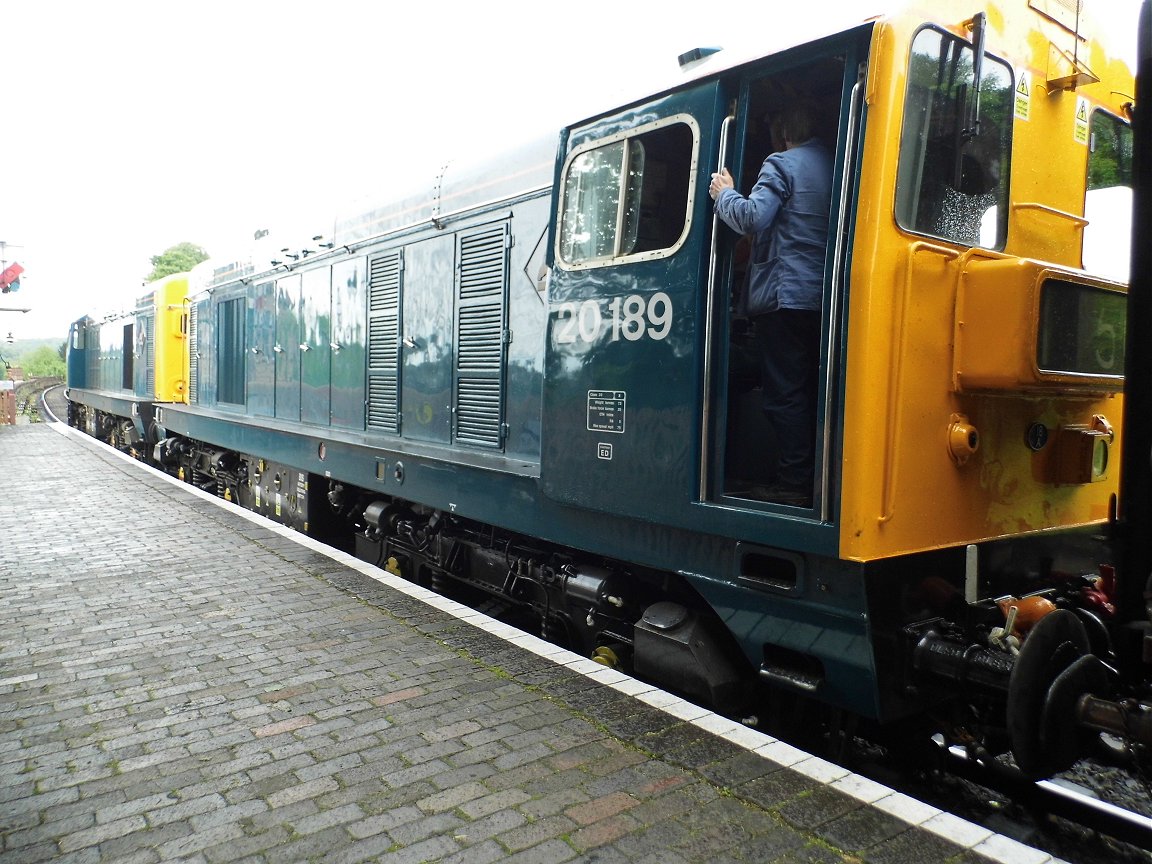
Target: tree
[
  {"x": 176, "y": 259},
  {"x": 43, "y": 362}
]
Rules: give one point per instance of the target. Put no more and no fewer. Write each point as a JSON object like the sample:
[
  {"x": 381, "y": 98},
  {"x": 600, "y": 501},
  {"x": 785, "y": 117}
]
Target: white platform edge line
[{"x": 995, "y": 847}]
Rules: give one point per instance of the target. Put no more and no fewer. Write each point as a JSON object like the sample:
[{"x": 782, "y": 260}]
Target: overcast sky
[{"x": 132, "y": 126}]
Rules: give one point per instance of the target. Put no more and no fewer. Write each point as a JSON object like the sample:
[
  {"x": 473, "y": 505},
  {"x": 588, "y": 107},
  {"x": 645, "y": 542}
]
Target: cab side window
[
  {"x": 628, "y": 197},
  {"x": 953, "y": 174},
  {"x": 1108, "y": 197}
]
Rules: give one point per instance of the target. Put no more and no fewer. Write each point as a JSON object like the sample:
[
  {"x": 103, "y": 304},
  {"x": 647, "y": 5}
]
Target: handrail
[
  {"x": 839, "y": 281},
  {"x": 709, "y": 315},
  {"x": 1078, "y": 221}
]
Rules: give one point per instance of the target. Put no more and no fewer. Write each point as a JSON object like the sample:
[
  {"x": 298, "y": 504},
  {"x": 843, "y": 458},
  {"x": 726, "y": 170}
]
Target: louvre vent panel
[
  {"x": 478, "y": 417},
  {"x": 193, "y": 359},
  {"x": 385, "y": 299},
  {"x": 481, "y": 345},
  {"x": 150, "y": 355},
  {"x": 382, "y": 338},
  {"x": 383, "y": 403},
  {"x": 480, "y": 327},
  {"x": 384, "y": 284},
  {"x": 482, "y": 264},
  {"x": 384, "y": 279}
]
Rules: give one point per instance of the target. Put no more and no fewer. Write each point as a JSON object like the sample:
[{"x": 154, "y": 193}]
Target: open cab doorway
[{"x": 741, "y": 459}]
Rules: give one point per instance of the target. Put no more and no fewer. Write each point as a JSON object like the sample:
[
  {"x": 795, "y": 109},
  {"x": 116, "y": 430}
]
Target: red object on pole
[{"x": 10, "y": 276}]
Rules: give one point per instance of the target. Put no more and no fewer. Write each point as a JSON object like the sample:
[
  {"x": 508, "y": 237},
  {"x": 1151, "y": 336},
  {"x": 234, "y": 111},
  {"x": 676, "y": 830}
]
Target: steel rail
[{"x": 1053, "y": 798}]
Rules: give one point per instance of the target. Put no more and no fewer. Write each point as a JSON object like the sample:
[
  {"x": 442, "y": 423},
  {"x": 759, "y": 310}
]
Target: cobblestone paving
[{"x": 180, "y": 684}]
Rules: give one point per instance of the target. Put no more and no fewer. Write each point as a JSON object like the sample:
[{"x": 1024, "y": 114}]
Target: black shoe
[{"x": 790, "y": 496}]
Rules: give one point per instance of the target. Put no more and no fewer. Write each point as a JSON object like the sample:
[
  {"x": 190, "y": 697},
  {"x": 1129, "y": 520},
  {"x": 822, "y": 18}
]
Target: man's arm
[{"x": 756, "y": 212}]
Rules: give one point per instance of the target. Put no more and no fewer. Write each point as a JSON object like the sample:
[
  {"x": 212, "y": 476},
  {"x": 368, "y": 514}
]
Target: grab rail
[{"x": 709, "y": 315}]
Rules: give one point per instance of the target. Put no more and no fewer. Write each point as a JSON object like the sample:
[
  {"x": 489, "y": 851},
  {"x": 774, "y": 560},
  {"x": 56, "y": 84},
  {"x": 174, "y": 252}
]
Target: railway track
[
  {"x": 52, "y": 403},
  {"x": 1094, "y": 814},
  {"x": 30, "y": 397},
  {"x": 1060, "y": 798}
]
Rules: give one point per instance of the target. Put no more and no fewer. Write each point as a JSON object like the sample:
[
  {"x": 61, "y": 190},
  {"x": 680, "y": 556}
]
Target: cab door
[
  {"x": 630, "y": 256},
  {"x": 651, "y": 401}
]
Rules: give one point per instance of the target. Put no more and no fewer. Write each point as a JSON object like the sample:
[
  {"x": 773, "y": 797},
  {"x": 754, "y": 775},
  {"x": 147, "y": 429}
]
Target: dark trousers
[{"x": 789, "y": 343}]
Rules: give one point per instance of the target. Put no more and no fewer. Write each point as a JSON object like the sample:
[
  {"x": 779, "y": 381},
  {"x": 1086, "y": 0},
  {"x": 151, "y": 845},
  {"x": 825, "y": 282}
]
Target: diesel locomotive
[{"x": 529, "y": 380}]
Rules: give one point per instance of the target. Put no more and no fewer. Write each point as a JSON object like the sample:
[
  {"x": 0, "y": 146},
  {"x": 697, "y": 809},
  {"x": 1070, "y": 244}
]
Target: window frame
[
  {"x": 608, "y": 141},
  {"x": 1106, "y": 249},
  {"x": 1100, "y": 112},
  {"x": 898, "y": 214}
]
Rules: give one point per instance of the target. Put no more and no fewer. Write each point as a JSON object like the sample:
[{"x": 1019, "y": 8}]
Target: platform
[{"x": 184, "y": 681}]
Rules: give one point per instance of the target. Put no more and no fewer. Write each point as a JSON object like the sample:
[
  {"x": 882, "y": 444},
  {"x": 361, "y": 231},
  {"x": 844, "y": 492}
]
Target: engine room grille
[
  {"x": 150, "y": 355},
  {"x": 94, "y": 367},
  {"x": 480, "y": 336},
  {"x": 193, "y": 354},
  {"x": 384, "y": 276}
]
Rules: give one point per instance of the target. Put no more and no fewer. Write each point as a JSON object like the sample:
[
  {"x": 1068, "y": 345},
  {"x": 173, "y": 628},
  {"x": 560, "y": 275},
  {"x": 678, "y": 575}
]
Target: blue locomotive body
[{"x": 411, "y": 361}]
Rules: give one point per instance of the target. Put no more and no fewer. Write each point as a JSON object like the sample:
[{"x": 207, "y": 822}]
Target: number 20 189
[{"x": 632, "y": 317}]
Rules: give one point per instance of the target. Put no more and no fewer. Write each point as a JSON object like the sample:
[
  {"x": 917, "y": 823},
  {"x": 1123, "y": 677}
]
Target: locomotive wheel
[
  {"x": 1064, "y": 740},
  {"x": 1055, "y": 643},
  {"x": 1097, "y": 633}
]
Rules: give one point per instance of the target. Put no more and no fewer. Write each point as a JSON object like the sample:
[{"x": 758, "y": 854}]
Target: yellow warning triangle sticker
[
  {"x": 1022, "y": 98},
  {"x": 1080, "y": 133}
]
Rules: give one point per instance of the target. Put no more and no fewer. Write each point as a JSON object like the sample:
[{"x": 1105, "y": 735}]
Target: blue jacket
[{"x": 787, "y": 211}]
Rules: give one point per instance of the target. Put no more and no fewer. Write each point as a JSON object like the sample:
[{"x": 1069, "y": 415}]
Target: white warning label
[{"x": 606, "y": 410}]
